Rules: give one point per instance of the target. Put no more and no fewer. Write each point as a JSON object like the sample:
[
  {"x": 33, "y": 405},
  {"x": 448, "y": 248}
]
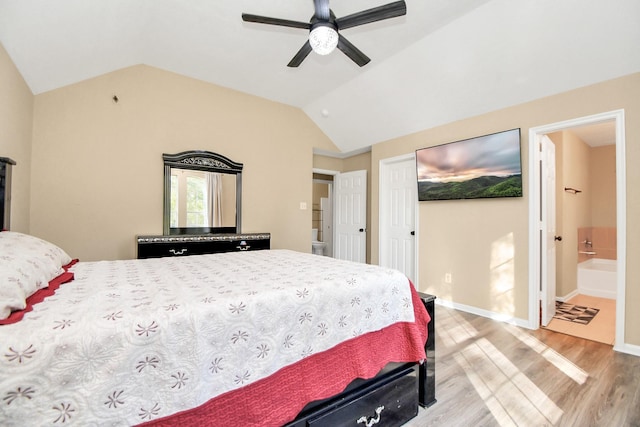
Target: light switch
[{"x": 303, "y": 206}]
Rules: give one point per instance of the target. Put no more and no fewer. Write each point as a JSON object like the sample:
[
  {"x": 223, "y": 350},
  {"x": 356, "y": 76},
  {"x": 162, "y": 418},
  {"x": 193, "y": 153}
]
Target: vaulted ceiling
[{"x": 444, "y": 61}]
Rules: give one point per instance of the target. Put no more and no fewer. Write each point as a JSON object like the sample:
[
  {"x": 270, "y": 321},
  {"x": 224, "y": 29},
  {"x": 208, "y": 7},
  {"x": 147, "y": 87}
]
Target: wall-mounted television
[{"x": 486, "y": 166}]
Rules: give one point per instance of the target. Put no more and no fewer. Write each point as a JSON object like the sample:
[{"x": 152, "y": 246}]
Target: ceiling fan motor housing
[{"x": 323, "y": 37}]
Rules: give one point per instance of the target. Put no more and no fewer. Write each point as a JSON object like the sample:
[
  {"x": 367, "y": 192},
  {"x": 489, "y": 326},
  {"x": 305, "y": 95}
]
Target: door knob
[
  {"x": 413, "y": 233},
  {"x": 558, "y": 238},
  {"x": 361, "y": 230}
]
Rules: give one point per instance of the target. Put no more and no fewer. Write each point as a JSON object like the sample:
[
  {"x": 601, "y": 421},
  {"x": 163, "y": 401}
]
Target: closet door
[
  {"x": 351, "y": 216},
  {"x": 398, "y": 205}
]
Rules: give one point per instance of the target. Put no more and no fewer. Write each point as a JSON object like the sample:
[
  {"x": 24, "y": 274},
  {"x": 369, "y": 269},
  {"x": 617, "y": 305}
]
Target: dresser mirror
[{"x": 202, "y": 194}]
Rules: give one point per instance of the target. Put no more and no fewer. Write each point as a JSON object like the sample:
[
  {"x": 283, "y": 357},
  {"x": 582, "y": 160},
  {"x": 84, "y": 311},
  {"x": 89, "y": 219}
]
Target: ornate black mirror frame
[
  {"x": 5, "y": 192},
  {"x": 202, "y": 161}
]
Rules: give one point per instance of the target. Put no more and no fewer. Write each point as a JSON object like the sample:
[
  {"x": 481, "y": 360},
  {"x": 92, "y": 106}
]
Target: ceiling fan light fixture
[
  {"x": 323, "y": 29},
  {"x": 323, "y": 39}
]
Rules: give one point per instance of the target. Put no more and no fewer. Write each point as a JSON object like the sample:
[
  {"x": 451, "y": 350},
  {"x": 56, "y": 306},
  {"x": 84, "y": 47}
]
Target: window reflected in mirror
[{"x": 202, "y": 199}]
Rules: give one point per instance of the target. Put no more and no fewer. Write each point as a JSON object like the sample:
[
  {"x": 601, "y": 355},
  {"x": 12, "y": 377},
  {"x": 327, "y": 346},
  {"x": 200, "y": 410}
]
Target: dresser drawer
[
  {"x": 391, "y": 404},
  {"x": 156, "y": 247}
]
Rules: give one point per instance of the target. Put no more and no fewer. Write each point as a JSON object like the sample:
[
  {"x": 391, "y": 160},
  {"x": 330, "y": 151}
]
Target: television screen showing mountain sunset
[{"x": 482, "y": 167}]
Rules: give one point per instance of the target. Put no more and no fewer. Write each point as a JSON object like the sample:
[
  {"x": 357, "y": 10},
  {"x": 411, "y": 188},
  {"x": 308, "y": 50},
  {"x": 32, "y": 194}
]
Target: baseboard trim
[
  {"x": 568, "y": 296},
  {"x": 598, "y": 293},
  {"x": 484, "y": 313},
  {"x": 631, "y": 349}
]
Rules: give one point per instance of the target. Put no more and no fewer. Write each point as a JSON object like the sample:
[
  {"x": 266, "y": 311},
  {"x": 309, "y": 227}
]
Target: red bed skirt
[{"x": 277, "y": 399}]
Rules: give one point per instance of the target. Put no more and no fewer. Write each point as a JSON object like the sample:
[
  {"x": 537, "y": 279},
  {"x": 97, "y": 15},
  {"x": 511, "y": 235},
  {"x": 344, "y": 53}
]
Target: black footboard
[
  {"x": 393, "y": 395},
  {"x": 427, "y": 371}
]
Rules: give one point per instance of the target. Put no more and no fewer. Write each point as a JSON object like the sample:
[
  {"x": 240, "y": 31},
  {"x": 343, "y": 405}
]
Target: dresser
[{"x": 184, "y": 245}]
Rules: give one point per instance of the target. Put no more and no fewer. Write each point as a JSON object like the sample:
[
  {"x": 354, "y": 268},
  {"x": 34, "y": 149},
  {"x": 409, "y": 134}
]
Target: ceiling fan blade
[
  {"x": 379, "y": 13},
  {"x": 352, "y": 52},
  {"x": 247, "y": 17},
  {"x": 299, "y": 57},
  {"x": 322, "y": 9}
]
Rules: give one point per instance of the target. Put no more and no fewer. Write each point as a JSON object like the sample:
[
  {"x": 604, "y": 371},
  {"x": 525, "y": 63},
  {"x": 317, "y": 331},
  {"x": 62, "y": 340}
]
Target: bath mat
[{"x": 575, "y": 313}]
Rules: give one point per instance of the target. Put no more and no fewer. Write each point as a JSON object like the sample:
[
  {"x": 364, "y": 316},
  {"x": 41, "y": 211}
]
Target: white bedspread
[{"x": 131, "y": 341}]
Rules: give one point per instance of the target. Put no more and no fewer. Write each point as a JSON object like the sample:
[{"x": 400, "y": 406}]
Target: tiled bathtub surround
[{"x": 603, "y": 242}]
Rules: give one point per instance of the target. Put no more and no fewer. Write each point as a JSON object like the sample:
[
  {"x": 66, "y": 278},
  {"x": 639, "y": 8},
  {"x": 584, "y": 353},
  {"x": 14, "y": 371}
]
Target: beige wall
[
  {"x": 16, "y": 120},
  {"x": 353, "y": 163},
  {"x": 602, "y": 181},
  {"x": 576, "y": 212},
  {"x": 97, "y": 164},
  {"x": 327, "y": 163},
  {"x": 320, "y": 190},
  {"x": 358, "y": 162},
  {"x": 484, "y": 244}
]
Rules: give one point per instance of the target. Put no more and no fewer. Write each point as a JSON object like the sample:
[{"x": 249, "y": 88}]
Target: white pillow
[{"x": 27, "y": 264}]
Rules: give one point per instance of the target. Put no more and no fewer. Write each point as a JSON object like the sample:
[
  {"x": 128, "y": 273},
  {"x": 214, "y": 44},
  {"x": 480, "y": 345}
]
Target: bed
[{"x": 244, "y": 338}]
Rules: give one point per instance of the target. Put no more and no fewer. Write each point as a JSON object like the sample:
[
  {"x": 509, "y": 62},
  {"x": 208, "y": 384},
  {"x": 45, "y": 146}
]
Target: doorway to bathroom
[
  {"x": 590, "y": 214},
  {"x": 322, "y": 215},
  {"x": 340, "y": 219}
]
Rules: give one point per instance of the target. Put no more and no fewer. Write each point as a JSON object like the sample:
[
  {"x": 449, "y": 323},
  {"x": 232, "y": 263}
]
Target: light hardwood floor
[{"x": 489, "y": 373}]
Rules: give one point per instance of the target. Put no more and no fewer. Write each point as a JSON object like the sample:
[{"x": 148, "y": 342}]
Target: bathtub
[{"x": 598, "y": 277}]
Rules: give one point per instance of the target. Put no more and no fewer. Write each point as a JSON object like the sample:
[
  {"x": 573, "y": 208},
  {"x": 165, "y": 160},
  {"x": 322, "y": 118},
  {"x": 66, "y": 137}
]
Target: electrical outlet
[
  {"x": 447, "y": 278},
  {"x": 303, "y": 206}
]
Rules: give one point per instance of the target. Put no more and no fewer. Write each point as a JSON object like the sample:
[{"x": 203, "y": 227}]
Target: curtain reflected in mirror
[{"x": 202, "y": 199}]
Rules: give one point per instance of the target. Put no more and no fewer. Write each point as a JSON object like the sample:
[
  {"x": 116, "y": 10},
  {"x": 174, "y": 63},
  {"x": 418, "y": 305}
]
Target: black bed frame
[{"x": 359, "y": 388}]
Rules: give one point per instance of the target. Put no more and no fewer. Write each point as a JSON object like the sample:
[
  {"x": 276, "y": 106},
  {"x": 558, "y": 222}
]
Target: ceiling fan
[{"x": 324, "y": 29}]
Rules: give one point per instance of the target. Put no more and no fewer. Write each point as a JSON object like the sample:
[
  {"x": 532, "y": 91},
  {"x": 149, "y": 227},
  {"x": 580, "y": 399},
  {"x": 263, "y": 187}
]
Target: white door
[
  {"x": 350, "y": 216},
  {"x": 548, "y": 229},
  {"x": 398, "y": 202}
]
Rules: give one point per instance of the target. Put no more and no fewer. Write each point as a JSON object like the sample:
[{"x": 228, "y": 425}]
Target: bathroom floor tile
[{"x": 603, "y": 326}]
